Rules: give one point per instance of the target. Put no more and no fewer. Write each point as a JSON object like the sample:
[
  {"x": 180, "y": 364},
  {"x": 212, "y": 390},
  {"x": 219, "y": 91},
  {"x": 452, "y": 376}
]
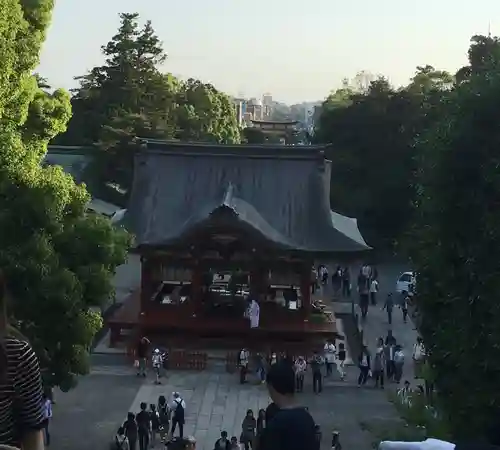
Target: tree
[
  {"x": 205, "y": 114},
  {"x": 128, "y": 97},
  {"x": 372, "y": 157},
  {"x": 57, "y": 259},
  {"x": 484, "y": 57},
  {"x": 253, "y": 136},
  {"x": 457, "y": 251}
]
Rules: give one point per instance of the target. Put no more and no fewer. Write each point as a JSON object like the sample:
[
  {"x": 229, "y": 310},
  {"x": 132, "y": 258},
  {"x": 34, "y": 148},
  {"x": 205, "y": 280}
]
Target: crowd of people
[
  {"x": 155, "y": 424},
  {"x": 282, "y": 425},
  {"x": 327, "y": 359}
]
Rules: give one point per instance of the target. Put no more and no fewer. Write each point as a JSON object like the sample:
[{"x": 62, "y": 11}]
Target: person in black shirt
[
  {"x": 271, "y": 411},
  {"x": 316, "y": 365},
  {"x": 143, "y": 420},
  {"x": 142, "y": 355},
  {"x": 291, "y": 427},
  {"x": 130, "y": 428}
]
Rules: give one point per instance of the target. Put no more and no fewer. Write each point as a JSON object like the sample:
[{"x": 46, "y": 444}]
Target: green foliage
[
  {"x": 373, "y": 128},
  {"x": 252, "y": 135},
  {"x": 128, "y": 97},
  {"x": 58, "y": 261},
  {"x": 419, "y": 421},
  {"x": 457, "y": 251}
]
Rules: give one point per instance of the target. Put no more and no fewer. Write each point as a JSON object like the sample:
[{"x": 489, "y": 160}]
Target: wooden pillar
[{"x": 305, "y": 289}]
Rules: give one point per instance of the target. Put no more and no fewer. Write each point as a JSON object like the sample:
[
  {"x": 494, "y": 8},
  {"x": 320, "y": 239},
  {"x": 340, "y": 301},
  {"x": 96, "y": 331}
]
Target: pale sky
[{"x": 298, "y": 50}]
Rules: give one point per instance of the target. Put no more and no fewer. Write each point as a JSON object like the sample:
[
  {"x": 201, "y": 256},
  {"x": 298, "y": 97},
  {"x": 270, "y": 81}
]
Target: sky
[{"x": 297, "y": 50}]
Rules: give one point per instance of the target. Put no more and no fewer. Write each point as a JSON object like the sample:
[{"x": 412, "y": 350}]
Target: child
[
  {"x": 234, "y": 443},
  {"x": 341, "y": 360}
]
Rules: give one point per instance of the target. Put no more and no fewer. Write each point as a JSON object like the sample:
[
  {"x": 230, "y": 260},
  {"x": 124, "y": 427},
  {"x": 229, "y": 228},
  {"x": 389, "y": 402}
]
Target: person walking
[
  {"x": 389, "y": 306},
  {"x": 389, "y": 354},
  {"x": 143, "y": 420},
  {"x": 364, "y": 291},
  {"x": 244, "y": 358},
  {"x": 364, "y": 364},
  {"x": 404, "y": 307},
  {"x": 141, "y": 356},
  {"x": 157, "y": 363},
  {"x": 130, "y": 427},
  {"x": 163, "y": 413},
  {"x": 418, "y": 358},
  {"x": 178, "y": 408},
  {"x": 341, "y": 357},
  {"x": 47, "y": 414},
  {"x": 317, "y": 376},
  {"x": 154, "y": 417},
  {"x": 346, "y": 282},
  {"x": 300, "y": 370},
  {"x": 373, "y": 291},
  {"x": 379, "y": 364},
  {"x": 329, "y": 355},
  {"x": 248, "y": 429},
  {"x": 399, "y": 360}
]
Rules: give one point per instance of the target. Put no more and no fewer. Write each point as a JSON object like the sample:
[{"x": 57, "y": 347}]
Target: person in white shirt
[
  {"x": 418, "y": 357},
  {"x": 47, "y": 414},
  {"x": 399, "y": 360},
  {"x": 253, "y": 313},
  {"x": 329, "y": 355},
  {"x": 157, "y": 362},
  {"x": 373, "y": 292}
]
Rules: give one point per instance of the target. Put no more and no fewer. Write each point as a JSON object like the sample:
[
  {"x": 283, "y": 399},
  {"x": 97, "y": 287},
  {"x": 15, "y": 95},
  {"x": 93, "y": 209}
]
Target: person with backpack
[
  {"x": 178, "y": 407},
  {"x": 143, "y": 420},
  {"x": 154, "y": 417}
]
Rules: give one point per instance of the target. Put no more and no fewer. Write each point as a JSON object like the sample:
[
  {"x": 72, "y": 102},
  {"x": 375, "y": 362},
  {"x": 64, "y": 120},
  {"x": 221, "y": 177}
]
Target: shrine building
[{"x": 216, "y": 225}]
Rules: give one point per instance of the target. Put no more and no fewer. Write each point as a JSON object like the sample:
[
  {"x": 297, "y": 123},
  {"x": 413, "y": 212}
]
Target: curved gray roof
[
  {"x": 278, "y": 191},
  {"x": 347, "y": 226}
]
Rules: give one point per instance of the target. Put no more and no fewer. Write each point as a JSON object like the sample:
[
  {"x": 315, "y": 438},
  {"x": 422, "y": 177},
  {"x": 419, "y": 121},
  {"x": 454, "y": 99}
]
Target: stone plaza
[{"x": 88, "y": 416}]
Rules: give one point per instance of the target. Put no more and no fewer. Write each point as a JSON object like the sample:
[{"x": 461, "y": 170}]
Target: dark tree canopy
[
  {"x": 129, "y": 97},
  {"x": 457, "y": 246}
]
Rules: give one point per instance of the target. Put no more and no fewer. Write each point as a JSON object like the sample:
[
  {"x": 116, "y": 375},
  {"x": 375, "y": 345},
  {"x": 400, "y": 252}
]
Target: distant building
[
  {"x": 267, "y": 104},
  {"x": 240, "y": 105},
  {"x": 254, "y": 107}
]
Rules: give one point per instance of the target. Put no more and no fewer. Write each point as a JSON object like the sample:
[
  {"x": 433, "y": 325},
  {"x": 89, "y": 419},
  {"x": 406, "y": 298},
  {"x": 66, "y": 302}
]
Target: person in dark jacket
[
  {"x": 364, "y": 364},
  {"x": 223, "y": 443},
  {"x": 130, "y": 427}
]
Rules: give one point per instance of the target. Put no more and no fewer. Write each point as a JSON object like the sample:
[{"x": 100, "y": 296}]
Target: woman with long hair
[{"x": 22, "y": 417}]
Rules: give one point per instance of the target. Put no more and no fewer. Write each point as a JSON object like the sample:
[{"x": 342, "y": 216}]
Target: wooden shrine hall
[{"x": 217, "y": 225}]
